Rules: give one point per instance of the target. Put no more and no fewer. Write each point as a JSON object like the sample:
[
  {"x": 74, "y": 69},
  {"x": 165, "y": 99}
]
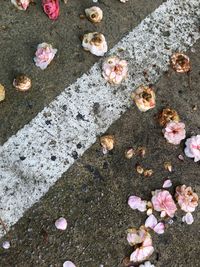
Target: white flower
[{"x": 95, "y": 43}]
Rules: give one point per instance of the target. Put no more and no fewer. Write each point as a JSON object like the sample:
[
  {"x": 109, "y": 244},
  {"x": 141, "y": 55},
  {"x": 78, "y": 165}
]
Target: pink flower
[
  {"x": 136, "y": 203},
  {"x": 51, "y": 8},
  {"x": 115, "y": 70},
  {"x": 167, "y": 183},
  {"x": 61, "y": 224},
  {"x": 68, "y": 264},
  {"x": 44, "y": 55},
  {"x": 192, "y": 149},
  {"x": 152, "y": 223},
  {"x": 174, "y": 132},
  {"x": 188, "y": 218},
  {"x": 162, "y": 201},
  {"x": 187, "y": 199},
  {"x": 21, "y": 4},
  {"x": 144, "y": 248}
]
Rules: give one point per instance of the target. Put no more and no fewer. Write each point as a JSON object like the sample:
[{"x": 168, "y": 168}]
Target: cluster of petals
[
  {"x": 95, "y": 43},
  {"x": 143, "y": 242},
  {"x": 94, "y": 14},
  {"x": 51, "y": 8},
  {"x": 136, "y": 203},
  {"x": 192, "y": 149},
  {"x": 144, "y": 98},
  {"x": 186, "y": 198},
  {"x": 44, "y": 55},
  {"x": 21, "y": 4},
  {"x": 162, "y": 201},
  {"x": 174, "y": 132},
  {"x": 167, "y": 115},
  {"x": 152, "y": 222},
  {"x": 115, "y": 70}
]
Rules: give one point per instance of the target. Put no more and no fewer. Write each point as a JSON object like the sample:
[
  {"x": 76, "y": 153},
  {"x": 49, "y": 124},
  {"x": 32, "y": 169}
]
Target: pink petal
[
  {"x": 136, "y": 203},
  {"x": 167, "y": 183},
  {"x": 141, "y": 254},
  {"x": 61, "y": 224},
  {"x": 6, "y": 245},
  {"x": 151, "y": 221},
  {"x": 159, "y": 228},
  {"x": 188, "y": 218},
  {"x": 68, "y": 264}
]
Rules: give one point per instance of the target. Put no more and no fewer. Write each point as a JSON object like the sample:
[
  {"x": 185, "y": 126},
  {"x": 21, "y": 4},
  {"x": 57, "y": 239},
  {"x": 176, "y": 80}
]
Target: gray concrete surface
[{"x": 93, "y": 194}]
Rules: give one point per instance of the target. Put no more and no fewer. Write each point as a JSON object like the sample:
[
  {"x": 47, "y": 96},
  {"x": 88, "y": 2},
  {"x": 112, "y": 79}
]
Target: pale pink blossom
[
  {"x": 152, "y": 222},
  {"x": 115, "y": 70},
  {"x": 95, "y": 43},
  {"x": 44, "y": 55},
  {"x": 188, "y": 218},
  {"x": 192, "y": 149},
  {"x": 162, "y": 201},
  {"x": 186, "y": 198},
  {"x": 136, "y": 203},
  {"x": 68, "y": 264},
  {"x": 174, "y": 132},
  {"x": 61, "y": 223},
  {"x": 21, "y": 4},
  {"x": 167, "y": 183},
  {"x": 146, "y": 264},
  {"x": 144, "y": 249}
]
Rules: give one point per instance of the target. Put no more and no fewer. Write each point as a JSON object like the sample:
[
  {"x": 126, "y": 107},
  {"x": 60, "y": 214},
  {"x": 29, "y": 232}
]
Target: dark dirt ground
[
  {"x": 21, "y": 32},
  {"x": 93, "y": 194}
]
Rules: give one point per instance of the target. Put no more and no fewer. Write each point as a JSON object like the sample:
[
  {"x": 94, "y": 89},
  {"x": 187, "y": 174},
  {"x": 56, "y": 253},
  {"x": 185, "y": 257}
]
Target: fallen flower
[
  {"x": 141, "y": 151},
  {"x": 68, "y": 264},
  {"x": 180, "y": 63},
  {"x": 22, "y": 83},
  {"x": 115, "y": 70},
  {"x": 144, "y": 98},
  {"x": 6, "y": 245},
  {"x": 2, "y": 93},
  {"x": 51, "y": 8},
  {"x": 188, "y": 218},
  {"x": 136, "y": 203},
  {"x": 44, "y": 55},
  {"x": 129, "y": 153},
  {"x": 148, "y": 173},
  {"x": 167, "y": 183},
  {"x": 162, "y": 201},
  {"x": 139, "y": 169},
  {"x": 95, "y": 43},
  {"x": 174, "y": 132},
  {"x": 167, "y": 115},
  {"x": 152, "y": 222},
  {"x": 94, "y": 14},
  {"x": 107, "y": 142},
  {"x": 61, "y": 224},
  {"x": 186, "y": 198},
  {"x": 21, "y": 4},
  {"x": 192, "y": 149},
  {"x": 147, "y": 264}
]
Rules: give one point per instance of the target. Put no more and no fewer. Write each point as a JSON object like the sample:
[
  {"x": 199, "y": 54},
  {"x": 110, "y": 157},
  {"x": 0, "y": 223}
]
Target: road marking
[{"x": 36, "y": 157}]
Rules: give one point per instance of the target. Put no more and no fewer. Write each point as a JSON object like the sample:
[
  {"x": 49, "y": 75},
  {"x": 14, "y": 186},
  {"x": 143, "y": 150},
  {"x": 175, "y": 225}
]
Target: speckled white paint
[{"x": 171, "y": 27}]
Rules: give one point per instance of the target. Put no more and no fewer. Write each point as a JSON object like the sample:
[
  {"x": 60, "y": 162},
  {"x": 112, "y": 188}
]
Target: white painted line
[{"x": 48, "y": 144}]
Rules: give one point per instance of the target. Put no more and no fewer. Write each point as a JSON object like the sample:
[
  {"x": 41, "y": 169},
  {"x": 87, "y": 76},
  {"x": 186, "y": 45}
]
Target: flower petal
[
  {"x": 151, "y": 221},
  {"x": 188, "y": 218},
  {"x": 159, "y": 228},
  {"x": 167, "y": 183}
]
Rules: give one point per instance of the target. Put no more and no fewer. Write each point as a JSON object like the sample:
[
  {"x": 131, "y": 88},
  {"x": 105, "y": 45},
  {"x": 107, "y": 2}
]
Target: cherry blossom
[
  {"x": 51, "y": 8},
  {"x": 174, "y": 132},
  {"x": 95, "y": 43},
  {"x": 187, "y": 199},
  {"x": 44, "y": 55},
  {"x": 192, "y": 149},
  {"x": 21, "y": 4},
  {"x": 152, "y": 222}
]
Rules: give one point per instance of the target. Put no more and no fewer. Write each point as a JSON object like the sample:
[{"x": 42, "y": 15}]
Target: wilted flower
[
  {"x": 162, "y": 201},
  {"x": 44, "y": 55},
  {"x": 143, "y": 241},
  {"x": 21, "y": 4},
  {"x": 137, "y": 203},
  {"x": 2, "y": 93},
  {"x": 192, "y": 149},
  {"x": 22, "y": 83},
  {"x": 94, "y": 14},
  {"x": 147, "y": 264},
  {"x": 51, "y": 8},
  {"x": 186, "y": 198},
  {"x": 148, "y": 172},
  {"x": 144, "y": 98},
  {"x": 6, "y": 244},
  {"x": 168, "y": 166},
  {"x": 68, "y": 264},
  {"x": 188, "y": 218},
  {"x": 61, "y": 224},
  {"x": 141, "y": 151},
  {"x": 167, "y": 115},
  {"x": 152, "y": 222},
  {"x": 139, "y": 169},
  {"x": 95, "y": 43},
  {"x": 129, "y": 153},
  {"x": 107, "y": 142},
  {"x": 180, "y": 63},
  {"x": 167, "y": 183},
  {"x": 115, "y": 70},
  {"x": 174, "y": 132}
]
